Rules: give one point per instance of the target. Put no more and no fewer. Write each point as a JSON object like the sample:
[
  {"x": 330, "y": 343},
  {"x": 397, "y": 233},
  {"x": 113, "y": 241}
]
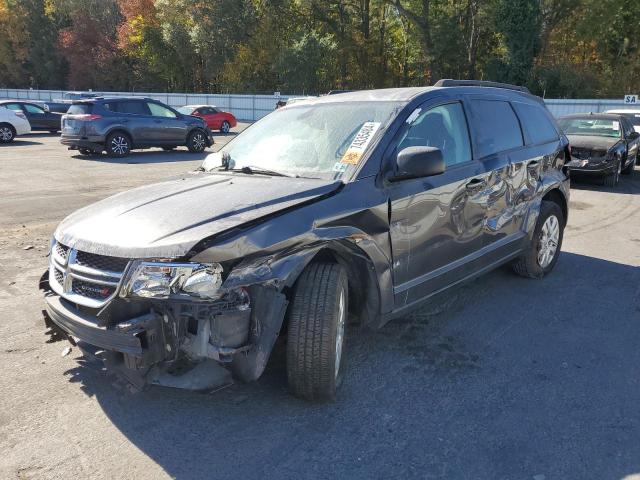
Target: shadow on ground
[
  {"x": 146, "y": 156},
  {"x": 502, "y": 378}
]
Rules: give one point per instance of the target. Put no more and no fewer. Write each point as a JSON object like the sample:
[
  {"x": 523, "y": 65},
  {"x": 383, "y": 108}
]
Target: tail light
[{"x": 87, "y": 117}]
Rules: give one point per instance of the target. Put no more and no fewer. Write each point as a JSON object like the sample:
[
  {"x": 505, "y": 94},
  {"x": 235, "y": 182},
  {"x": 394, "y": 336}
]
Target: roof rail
[{"x": 447, "y": 82}]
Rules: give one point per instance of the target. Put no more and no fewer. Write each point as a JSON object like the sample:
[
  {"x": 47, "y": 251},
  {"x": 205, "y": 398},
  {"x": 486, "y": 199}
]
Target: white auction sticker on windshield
[{"x": 360, "y": 143}]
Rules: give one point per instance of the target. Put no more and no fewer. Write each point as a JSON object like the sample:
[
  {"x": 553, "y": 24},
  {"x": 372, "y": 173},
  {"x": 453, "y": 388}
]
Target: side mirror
[{"x": 418, "y": 162}]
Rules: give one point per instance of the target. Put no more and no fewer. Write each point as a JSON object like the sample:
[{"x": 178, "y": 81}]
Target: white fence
[{"x": 254, "y": 107}]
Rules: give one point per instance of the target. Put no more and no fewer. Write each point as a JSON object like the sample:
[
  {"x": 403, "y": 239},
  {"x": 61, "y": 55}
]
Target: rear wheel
[
  {"x": 316, "y": 330},
  {"x": 225, "y": 127},
  {"x": 118, "y": 145},
  {"x": 544, "y": 249},
  {"x": 7, "y": 133},
  {"x": 197, "y": 141},
  {"x": 612, "y": 179}
]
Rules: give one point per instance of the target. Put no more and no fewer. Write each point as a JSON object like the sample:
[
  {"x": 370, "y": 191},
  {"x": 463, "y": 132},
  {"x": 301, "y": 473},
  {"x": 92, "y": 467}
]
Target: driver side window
[{"x": 443, "y": 127}]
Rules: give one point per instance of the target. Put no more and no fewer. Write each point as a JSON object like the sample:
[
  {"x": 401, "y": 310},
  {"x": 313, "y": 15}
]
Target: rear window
[
  {"x": 495, "y": 127},
  {"x": 536, "y": 123},
  {"x": 80, "y": 109}
]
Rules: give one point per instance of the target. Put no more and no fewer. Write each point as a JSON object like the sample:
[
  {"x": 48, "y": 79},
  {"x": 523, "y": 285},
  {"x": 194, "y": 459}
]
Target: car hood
[
  {"x": 592, "y": 142},
  {"x": 165, "y": 220}
]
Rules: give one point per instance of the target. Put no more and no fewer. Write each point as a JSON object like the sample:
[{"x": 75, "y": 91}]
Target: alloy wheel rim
[
  {"x": 198, "y": 141},
  {"x": 6, "y": 134},
  {"x": 340, "y": 331},
  {"x": 549, "y": 239},
  {"x": 119, "y": 145},
  {"x": 225, "y": 127}
]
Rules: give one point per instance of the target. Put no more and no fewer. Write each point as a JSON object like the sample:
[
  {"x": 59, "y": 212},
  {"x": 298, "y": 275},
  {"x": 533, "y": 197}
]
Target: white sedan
[{"x": 12, "y": 124}]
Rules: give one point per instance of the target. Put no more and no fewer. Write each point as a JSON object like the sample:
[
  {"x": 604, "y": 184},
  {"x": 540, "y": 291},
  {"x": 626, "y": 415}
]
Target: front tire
[
  {"x": 197, "y": 141},
  {"x": 631, "y": 166},
  {"x": 7, "y": 133},
  {"x": 316, "y": 320},
  {"x": 118, "y": 145},
  {"x": 611, "y": 180},
  {"x": 544, "y": 250},
  {"x": 225, "y": 127}
]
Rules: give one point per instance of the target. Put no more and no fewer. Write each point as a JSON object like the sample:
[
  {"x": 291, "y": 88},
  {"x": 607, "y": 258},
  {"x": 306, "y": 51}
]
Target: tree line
[{"x": 558, "y": 48}]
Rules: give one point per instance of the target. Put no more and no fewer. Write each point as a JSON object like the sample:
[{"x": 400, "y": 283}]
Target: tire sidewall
[
  {"x": 225, "y": 127},
  {"x": 547, "y": 209},
  {"x": 191, "y": 141},
  {"x": 111, "y": 137},
  {"x": 13, "y": 133}
]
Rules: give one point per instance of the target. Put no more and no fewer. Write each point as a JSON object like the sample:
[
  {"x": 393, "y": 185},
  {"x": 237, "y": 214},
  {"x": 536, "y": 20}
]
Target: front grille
[
  {"x": 85, "y": 278},
  {"x": 91, "y": 290},
  {"x": 101, "y": 262},
  {"x": 581, "y": 153},
  {"x": 62, "y": 250},
  {"x": 58, "y": 275}
]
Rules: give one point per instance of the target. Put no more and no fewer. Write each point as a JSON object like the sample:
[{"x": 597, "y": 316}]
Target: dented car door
[{"x": 436, "y": 222}]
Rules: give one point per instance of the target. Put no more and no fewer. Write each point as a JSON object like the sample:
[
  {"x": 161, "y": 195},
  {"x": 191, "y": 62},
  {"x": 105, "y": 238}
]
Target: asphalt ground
[{"x": 502, "y": 378}]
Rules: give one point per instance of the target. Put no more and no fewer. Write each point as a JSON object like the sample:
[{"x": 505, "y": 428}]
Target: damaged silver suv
[{"x": 363, "y": 204}]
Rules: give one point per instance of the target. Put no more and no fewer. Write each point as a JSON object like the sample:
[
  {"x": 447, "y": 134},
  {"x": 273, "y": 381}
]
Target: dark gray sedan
[
  {"x": 601, "y": 144},
  {"x": 38, "y": 117}
]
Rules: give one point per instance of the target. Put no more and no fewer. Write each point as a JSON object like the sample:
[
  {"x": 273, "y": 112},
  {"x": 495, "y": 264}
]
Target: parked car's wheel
[
  {"x": 197, "y": 141},
  {"x": 7, "y": 133},
  {"x": 631, "y": 166},
  {"x": 225, "y": 127},
  {"x": 612, "y": 179},
  {"x": 544, "y": 249},
  {"x": 85, "y": 151},
  {"x": 316, "y": 320},
  {"x": 118, "y": 145}
]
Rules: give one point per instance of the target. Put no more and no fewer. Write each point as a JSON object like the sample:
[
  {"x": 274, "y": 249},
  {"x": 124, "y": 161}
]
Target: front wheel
[
  {"x": 197, "y": 141},
  {"x": 316, "y": 320},
  {"x": 612, "y": 179},
  {"x": 631, "y": 166},
  {"x": 544, "y": 249},
  {"x": 118, "y": 145},
  {"x": 225, "y": 127}
]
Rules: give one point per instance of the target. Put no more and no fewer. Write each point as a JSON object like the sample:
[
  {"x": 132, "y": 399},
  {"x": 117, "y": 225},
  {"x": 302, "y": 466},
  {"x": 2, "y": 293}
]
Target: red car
[{"x": 216, "y": 119}]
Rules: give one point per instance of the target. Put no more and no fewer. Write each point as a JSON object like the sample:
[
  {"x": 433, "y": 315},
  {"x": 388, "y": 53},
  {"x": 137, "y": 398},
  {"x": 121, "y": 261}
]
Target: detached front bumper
[{"x": 86, "y": 328}]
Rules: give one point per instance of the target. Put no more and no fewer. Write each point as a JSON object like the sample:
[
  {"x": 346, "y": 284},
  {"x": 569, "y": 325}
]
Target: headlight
[{"x": 160, "y": 280}]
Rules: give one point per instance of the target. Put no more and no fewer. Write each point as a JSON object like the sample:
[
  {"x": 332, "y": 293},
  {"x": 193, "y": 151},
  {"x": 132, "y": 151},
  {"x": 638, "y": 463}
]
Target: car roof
[
  {"x": 595, "y": 116},
  {"x": 406, "y": 94},
  {"x": 107, "y": 99},
  {"x": 623, "y": 111},
  {"x": 198, "y": 106}
]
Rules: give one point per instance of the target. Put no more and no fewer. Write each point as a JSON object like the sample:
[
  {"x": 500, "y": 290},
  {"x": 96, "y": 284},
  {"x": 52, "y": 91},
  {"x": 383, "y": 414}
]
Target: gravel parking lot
[{"x": 503, "y": 378}]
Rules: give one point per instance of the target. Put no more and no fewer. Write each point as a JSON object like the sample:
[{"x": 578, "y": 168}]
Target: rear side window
[
  {"x": 536, "y": 123},
  {"x": 33, "y": 109},
  {"x": 80, "y": 109},
  {"x": 130, "y": 108},
  {"x": 495, "y": 127}
]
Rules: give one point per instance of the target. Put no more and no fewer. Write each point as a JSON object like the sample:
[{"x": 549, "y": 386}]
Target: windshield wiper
[{"x": 250, "y": 170}]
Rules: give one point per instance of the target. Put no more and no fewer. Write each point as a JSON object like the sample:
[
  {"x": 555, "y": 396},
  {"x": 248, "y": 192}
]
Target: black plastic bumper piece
[{"x": 83, "y": 326}]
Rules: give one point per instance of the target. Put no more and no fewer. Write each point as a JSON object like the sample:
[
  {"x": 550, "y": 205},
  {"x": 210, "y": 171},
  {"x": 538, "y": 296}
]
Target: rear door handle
[{"x": 475, "y": 185}]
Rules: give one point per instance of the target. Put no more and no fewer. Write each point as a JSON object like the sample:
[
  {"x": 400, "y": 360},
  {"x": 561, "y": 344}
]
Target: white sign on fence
[{"x": 631, "y": 99}]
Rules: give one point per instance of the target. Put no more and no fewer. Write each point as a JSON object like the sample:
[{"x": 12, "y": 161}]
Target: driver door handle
[{"x": 475, "y": 185}]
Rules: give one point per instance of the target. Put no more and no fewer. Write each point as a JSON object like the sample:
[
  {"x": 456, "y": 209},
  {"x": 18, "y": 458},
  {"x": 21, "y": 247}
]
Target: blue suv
[{"x": 119, "y": 125}]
